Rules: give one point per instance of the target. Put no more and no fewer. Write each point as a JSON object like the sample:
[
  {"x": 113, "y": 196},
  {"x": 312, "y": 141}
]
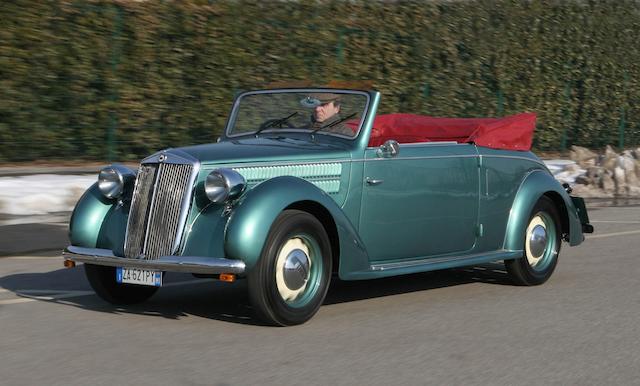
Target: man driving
[{"x": 326, "y": 113}]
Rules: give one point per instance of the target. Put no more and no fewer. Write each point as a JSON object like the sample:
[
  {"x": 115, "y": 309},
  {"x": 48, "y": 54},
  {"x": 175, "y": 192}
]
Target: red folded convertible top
[{"x": 514, "y": 132}]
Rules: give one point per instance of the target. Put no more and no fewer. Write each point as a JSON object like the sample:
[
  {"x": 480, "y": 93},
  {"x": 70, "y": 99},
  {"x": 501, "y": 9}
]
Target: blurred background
[{"x": 118, "y": 80}]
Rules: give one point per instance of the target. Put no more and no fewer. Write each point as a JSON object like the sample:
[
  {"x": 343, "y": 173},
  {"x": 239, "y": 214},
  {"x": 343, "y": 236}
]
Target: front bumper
[{"x": 191, "y": 264}]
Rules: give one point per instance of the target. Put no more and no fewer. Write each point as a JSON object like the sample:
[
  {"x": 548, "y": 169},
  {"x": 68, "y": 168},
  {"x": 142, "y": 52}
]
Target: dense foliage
[{"x": 164, "y": 73}]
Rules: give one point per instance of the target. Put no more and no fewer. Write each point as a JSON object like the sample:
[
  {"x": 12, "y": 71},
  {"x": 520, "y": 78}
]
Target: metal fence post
[
  {"x": 342, "y": 32},
  {"x": 567, "y": 96},
  {"x": 622, "y": 124},
  {"x": 621, "y": 127},
  {"x": 426, "y": 90},
  {"x": 115, "y": 59},
  {"x": 340, "y": 46}
]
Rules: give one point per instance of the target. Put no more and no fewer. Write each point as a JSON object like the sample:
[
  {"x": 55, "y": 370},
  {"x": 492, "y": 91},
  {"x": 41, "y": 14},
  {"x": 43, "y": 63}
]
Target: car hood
[{"x": 262, "y": 150}]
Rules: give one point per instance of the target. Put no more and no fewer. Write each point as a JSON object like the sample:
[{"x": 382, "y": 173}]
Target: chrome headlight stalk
[
  {"x": 224, "y": 185},
  {"x": 114, "y": 179}
]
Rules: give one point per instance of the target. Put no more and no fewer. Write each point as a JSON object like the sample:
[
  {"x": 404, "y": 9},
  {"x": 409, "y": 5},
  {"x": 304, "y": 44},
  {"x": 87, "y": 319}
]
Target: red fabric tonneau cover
[{"x": 513, "y": 132}]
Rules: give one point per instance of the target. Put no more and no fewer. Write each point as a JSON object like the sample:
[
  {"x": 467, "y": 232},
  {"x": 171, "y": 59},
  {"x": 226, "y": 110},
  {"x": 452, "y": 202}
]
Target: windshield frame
[{"x": 236, "y": 105}]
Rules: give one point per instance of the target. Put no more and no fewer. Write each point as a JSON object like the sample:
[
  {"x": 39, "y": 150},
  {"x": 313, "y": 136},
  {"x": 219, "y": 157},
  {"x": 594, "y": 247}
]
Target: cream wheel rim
[
  {"x": 536, "y": 240},
  {"x": 293, "y": 268}
]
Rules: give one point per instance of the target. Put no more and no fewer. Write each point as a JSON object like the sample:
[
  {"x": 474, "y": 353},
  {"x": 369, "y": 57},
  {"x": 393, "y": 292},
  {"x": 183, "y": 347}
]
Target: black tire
[
  {"x": 103, "y": 281},
  {"x": 291, "y": 232},
  {"x": 531, "y": 269}
]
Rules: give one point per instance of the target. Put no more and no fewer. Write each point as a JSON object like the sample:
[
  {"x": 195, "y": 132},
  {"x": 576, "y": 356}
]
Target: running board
[{"x": 430, "y": 264}]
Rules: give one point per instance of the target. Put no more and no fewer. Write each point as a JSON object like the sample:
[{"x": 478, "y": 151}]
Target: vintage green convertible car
[{"x": 306, "y": 183}]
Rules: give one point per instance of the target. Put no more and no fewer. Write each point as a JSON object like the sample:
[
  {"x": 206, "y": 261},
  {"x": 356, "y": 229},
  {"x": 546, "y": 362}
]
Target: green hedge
[{"x": 164, "y": 73}]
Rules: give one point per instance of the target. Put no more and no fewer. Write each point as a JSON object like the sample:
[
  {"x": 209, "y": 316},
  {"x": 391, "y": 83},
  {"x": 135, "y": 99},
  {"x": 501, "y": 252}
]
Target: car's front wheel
[
  {"x": 541, "y": 246},
  {"x": 103, "y": 281},
  {"x": 290, "y": 281}
]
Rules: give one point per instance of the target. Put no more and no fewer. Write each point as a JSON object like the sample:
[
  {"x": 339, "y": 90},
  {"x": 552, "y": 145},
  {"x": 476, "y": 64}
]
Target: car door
[{"x": 421, "y": 202}]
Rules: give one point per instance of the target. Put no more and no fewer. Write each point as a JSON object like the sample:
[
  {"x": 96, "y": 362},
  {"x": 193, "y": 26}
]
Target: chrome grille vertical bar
[
  {"x": 156, "y": 217},
  {"x": 152, "y": 209},
  {"x": 138, "y": 214},
  {"x": 190, "y": 177}
]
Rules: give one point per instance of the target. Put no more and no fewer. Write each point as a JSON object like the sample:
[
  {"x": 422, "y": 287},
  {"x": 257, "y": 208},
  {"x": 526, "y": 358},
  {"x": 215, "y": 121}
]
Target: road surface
[{"x": 454, "y": 327}]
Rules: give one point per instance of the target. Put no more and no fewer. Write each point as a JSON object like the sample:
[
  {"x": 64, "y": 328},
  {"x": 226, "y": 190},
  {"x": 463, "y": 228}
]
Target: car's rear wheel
[
  {"x": 103, "y": 281},
  {"x": 290, "y": 281},
  {"x": 541, "y": 246}
]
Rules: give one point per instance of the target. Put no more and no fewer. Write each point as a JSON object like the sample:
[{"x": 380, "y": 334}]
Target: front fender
[
  {"x": 251, "y": 221},
  {"x": 97, "y": 222},
  {"x": 535, "y": 185}
]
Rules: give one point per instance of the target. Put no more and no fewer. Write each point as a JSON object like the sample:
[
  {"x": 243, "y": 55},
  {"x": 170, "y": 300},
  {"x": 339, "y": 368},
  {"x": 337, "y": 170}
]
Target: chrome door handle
[{"x": 371, "y": 181}]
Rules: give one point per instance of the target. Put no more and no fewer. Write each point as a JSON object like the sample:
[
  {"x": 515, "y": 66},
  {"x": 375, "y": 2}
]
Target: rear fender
[
  {"x": 251, "y": 220},
  {"x": 535, "y": 185}
]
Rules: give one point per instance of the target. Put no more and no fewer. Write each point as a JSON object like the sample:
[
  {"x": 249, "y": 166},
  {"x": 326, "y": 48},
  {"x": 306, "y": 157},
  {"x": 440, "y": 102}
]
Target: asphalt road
[{"x": 454, "y": 327}]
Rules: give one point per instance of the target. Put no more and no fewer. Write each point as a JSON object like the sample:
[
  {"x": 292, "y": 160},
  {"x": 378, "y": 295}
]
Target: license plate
[{"x": 139, "y": 276}]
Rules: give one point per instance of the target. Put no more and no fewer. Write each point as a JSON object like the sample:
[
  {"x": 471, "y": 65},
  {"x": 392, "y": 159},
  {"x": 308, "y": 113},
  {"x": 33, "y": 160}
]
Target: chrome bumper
[{"x": 191, "y": 264}]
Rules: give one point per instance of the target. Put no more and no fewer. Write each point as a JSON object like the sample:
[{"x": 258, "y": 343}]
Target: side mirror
[{"x": 389, "y": 149}]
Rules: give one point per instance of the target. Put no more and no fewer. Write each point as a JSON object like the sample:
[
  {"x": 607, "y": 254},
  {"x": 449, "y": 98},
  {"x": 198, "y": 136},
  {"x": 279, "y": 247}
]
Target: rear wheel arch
[
  {"x": 562, "y": 212},
  {"x": 536, "y": 185}
]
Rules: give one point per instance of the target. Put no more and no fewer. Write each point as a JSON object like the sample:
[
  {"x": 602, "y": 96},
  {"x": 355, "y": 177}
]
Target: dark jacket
[{"x": 339, "y": 128}]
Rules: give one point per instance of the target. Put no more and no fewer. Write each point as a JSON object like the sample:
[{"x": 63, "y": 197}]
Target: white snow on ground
[
  {"x": 558, "y": 164},
  {"x": 42, "y": 193},
  {"x": 565, "y": 170},
  {"x": 47, "y": 193}
]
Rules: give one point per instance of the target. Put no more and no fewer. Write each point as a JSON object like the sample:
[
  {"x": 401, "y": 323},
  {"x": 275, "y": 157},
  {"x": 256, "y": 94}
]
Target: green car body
[{"x": 430, "y": 206}]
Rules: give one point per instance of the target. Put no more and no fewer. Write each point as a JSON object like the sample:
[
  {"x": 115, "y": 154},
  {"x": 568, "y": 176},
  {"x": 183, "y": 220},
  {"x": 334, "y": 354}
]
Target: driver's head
[{"x": 326, "y": 106}]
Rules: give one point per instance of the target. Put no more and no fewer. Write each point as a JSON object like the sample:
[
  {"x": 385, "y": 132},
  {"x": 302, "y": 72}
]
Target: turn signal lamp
[{"x": 228, "y": 277}]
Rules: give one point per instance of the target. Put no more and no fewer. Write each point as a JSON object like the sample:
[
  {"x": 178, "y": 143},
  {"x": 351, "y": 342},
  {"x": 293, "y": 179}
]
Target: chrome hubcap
[
  {"x": 293, "y": 268},
  {"x": 537, "y": 240},
  {"x": 296, "y": 269}
]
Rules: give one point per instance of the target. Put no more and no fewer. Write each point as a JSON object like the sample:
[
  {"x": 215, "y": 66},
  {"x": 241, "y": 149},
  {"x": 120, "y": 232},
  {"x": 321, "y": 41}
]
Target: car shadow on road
[
  {"x": 348, "y": 291},
  {"x": 186, "y": 296}
]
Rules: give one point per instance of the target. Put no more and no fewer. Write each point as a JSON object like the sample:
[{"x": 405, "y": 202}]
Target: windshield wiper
[
  {"x": 274, "y": 122},
  {"x": 333, "y": 123}
]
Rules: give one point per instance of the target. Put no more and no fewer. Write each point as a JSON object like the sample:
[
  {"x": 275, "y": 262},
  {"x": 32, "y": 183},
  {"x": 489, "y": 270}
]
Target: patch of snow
[
  {"x": 42, "y": 193},
  {"x": 565, "y": 170}
]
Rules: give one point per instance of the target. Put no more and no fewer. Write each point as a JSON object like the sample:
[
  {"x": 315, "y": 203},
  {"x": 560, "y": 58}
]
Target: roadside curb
[
  {"x": 47, "y": 252},
  {"x": 602, "y": 202},
  {"x": 21, "y": 239}
]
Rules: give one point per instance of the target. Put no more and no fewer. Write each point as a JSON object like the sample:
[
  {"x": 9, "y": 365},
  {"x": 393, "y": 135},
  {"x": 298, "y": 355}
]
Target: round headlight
[
  {"x": 223, "y": 185},
  {"x": 112, "y": 180}
]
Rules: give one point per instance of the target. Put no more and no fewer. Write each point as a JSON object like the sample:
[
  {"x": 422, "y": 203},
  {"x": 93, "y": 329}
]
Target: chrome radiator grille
[{"x": 155, "y": 218}]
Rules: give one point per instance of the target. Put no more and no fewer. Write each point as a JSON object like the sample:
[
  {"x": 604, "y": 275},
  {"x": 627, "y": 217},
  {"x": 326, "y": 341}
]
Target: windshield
[{"x": 332, "y": 112}]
